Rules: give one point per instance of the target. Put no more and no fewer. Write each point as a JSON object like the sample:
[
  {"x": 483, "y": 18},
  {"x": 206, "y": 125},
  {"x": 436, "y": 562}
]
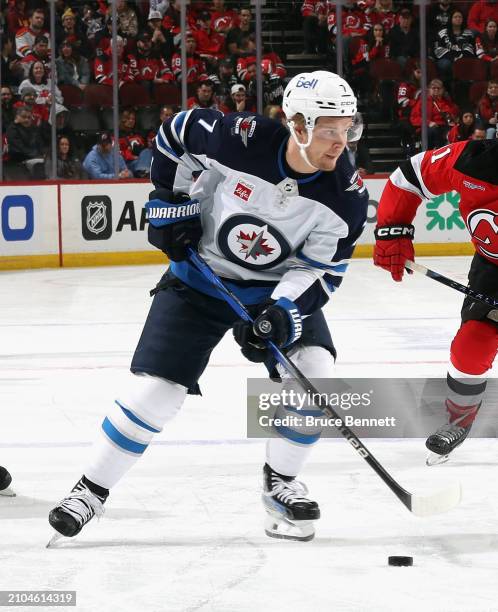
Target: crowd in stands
[
  {"x": 221, "y": 74},
  {"x": 380, "y": 50}
]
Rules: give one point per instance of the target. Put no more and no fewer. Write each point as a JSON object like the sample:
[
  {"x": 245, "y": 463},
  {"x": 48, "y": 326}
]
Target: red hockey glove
[{"x": 393, "y": 246}]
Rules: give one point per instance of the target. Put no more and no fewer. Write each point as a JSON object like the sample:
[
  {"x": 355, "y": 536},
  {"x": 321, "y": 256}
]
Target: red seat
[
  {"x": 167, "y": 93},
  {"x": 476, "y": 91},
  {"x": 72, "y": 95},
  {"x": 431, "y": 68},
  {"x": 98, "y": 96},
  {"x": 386, "y": 70},
  {"x": 133, "y": 94},
  {"x": 470, "y": 69},
  {"x": 494, "y": 71}
]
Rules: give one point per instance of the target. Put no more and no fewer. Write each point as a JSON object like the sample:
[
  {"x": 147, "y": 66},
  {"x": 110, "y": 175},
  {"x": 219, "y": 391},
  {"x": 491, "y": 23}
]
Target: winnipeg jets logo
[
  {"x": 356, "y": 183},
  {"x": 251, "y": 242},
  {"x": 484, "y": 230},
  {"x": 254, "y": 245}
]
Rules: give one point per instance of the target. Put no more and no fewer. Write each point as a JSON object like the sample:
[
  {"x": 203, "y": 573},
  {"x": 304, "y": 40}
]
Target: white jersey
[{"x": 267, "y": 231}]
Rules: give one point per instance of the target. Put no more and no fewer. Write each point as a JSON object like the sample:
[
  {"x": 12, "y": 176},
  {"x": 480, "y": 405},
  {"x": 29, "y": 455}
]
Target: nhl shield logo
[{"x": 96, "y": 217}]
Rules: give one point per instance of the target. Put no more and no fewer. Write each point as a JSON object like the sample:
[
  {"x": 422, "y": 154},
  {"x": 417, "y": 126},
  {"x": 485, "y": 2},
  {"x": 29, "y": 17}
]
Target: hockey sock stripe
[
  {"x": 122, "y": 441},
  {"x": 295, "y": 436},
  {"x": 466, "y": 386},
  {"x": 136, "y": 420}
]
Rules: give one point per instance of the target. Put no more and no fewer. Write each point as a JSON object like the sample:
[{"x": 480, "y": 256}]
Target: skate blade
[
  {"x": 8, "y": 492},
  {"x": 435, "y": 459},
  {"x": 283, "y": 529},
  {"x": 55, "y": 538}
]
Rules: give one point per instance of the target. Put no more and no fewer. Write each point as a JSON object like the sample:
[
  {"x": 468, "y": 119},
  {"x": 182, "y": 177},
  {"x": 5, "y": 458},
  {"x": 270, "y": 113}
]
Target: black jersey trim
[{"x": 479, "y": 160}]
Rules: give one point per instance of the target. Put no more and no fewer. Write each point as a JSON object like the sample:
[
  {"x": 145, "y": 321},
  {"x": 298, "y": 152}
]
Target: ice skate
[
  {"x": 71, "y": 514},
  {"x": 290, "y": 513},
  {"x": 5, "y": 481},
  {"x": 444, "y": 441}
]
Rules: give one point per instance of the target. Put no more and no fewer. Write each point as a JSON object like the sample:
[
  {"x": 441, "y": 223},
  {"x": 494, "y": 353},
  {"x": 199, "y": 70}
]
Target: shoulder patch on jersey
[
  {"x": 243, "y": 190},
  {"x": 245, "y": 128},
  {"x": 356, "y": 183}
]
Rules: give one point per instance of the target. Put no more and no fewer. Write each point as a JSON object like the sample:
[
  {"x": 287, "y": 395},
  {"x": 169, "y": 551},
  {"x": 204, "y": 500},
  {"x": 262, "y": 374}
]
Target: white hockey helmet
[{"x": 318, "y": 94}]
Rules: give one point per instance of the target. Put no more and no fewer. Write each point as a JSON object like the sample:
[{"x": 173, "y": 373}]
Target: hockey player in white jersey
[{"x": 276, "y": 213}]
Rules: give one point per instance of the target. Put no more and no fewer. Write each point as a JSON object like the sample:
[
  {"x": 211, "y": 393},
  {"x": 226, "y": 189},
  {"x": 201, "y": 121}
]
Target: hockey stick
[
  {"x": 478, "y": 297},
  {"x": 422, "y": 506}
]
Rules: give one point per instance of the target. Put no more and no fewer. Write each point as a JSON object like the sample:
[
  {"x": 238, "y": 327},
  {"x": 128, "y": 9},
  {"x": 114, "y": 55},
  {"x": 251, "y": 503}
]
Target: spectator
[
  {"x": 72, "y": 31},
  {"x": 237, "y": 102},
  {"x": 196, "y": 67},
  {"x": 210, "y": 44},
  {"x": 441, "y": 114},
  {"x": 452, "y": 43},
  {"x": 223, "y": 80},
  {"x": 162, "y": 40},
  {"x": 99, "y": 163},
  {"x": 39, "y": 81},
  {"x": 39, "y": 53},
  {"x": 384, "y": 13},
  {"x": 204, "y": 96},
  {"x": 479, "y": 133},
  {"x": 404, "y": 38},
  {"x": 12, "y": 70},
  {"x": 275, "y": 112},
  {"x": 68, "y": 166},
  {"x": 40, "y": 112},
  {"x": 133, "y": 146},
  {"x": 315, "y": 30},
  {"x": 7, "y": 100},
  {"x": 25, "y": 37},
  {"x": 487, "y": 109},
  {"x": 223, "y": 19},
  {"x": 438, "y": 17},
  {"x": 71, "y": 68},
  {"x": 376, "y": 46},
  {"x": 91, "y": 23},
  {"x": 26, "y": 143},
  {"x": 127, "y": 19},
  {"x": 487, "y": 42},
  {"x": 355, "y": 23},
  {"x": 16, "y": 17},
  {"x": 234, "y": 36},
  {"x": 480, "y": 13},
  {"x": 149, "y": 67},
  {"x": 248, "y": 56},
  {"x": 166, "y": 111},
  {"x": 273, "y": 88},
  {"x": 464, "y": 126},
  {"x": 171, "y": 20},
  {"x": 103, "y": 66}
]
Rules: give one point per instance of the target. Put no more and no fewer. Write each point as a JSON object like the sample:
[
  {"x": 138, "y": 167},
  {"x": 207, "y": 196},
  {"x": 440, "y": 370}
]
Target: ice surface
[{"x": 184, "y": 530}]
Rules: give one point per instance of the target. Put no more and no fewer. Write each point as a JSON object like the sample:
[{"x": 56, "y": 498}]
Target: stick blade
[{"x": 437, "y": 503}]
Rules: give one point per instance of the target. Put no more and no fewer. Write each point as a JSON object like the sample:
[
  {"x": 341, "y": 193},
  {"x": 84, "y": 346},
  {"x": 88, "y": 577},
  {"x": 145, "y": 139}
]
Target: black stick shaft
[
  {"x": 403, "y": 495},
  {"x": 478, "y": 297}
]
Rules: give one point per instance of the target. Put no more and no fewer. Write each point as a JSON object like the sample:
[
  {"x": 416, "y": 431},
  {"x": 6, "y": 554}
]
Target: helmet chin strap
[{"x": 302, "y": 146}]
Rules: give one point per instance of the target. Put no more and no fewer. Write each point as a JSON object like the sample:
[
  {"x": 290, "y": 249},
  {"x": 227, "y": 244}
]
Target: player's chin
[{"x": 328, "y": 162}]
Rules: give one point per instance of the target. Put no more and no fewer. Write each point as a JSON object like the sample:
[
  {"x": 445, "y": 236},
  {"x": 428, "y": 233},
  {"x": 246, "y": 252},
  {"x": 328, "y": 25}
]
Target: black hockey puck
[
  {"x": 5, "y": 478},
  {"x": 400, "y": 561}
]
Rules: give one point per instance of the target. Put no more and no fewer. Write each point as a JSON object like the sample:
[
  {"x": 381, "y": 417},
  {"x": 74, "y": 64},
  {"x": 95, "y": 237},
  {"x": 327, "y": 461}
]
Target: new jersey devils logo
[
  {"x": 252, "y": 243},
  {"x": 484, "y": 230}
]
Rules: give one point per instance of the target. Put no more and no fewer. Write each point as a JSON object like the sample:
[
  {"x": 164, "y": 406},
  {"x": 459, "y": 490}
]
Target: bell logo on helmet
[{"x": 302, "y": 82}]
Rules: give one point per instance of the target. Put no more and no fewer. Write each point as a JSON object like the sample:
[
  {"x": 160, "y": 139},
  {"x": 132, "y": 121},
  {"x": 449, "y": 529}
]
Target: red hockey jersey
[{"x": 468, "y": 167}]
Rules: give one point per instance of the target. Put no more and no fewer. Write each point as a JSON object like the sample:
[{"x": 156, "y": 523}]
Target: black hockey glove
[
  {"x": 279, "y": 322},
  {"x": 174, "y": 222}
]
